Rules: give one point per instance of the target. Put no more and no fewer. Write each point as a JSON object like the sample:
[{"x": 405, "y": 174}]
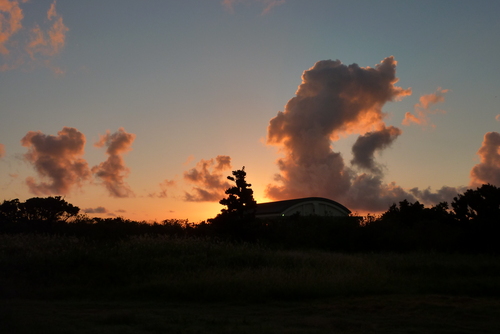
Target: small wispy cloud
[
  {"x": 267, "y": 5},
  {"x": 11, "y": 16},
  {"x": 34, "y": 46},
  {"x": 165, "y": 186},
  {"x": 208, "y": 179},
  {"x": 423, "y": 108},
  {"x": 99, "y": 209}
]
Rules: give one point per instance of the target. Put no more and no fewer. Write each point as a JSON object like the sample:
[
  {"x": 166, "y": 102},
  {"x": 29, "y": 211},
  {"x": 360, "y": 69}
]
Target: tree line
[{"x": 470, "y": 224}]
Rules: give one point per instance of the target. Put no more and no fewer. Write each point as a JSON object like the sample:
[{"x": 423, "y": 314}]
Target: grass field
[{"x": 52, "y": 284}]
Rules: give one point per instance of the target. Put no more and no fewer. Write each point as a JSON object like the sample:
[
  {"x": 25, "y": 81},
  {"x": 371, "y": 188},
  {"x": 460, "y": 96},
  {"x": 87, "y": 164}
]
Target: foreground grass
[
  {"x": 153, "y": 284},
  {"x": 166, "y": 269},
  {"x": 390, "y": 314}
]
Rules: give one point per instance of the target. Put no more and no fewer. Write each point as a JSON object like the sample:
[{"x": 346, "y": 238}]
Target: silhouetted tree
[
  {"x": 10, "y": 211},
  {"x": 237, "y": 220},
  {"x": 481, "y": 205},
  {"x": 48, "y": 209},
  {"x": 240, "y": 199}
]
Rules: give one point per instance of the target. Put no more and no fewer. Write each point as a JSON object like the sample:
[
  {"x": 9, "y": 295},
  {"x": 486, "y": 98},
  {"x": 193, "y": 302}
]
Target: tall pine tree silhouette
[{"x": 240, "y": 201}]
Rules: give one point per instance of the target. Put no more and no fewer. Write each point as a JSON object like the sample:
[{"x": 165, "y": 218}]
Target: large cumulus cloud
[
  {"x": 57, "y": 159},
  {"x": 113, "y": 171},
  {"x": 335, "y": 100}
]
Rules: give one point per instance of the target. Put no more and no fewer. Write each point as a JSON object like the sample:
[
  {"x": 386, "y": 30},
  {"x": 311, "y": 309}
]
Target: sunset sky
[{"x": 142, "y": 108}]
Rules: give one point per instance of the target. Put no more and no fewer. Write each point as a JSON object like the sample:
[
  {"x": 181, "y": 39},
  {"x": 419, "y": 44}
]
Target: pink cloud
[
  {"x": 2, "y": 150},
  {"x": 488, "y": 170},
  {"x": 113, "y": 171},
  {"x": 58, "y": 159},
  {"x": 422, "y": 109},
  {"x": 208, "y": 179}
]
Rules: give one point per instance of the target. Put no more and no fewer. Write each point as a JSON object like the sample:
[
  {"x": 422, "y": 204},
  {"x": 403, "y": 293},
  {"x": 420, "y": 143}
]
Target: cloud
[
  {"x": 99, "y": 209},
  {"x": 335, "y": 100},
  {"x": 2, "y": 150},
  {"x": 208, "y": 179},
  {"x": 113, "y": 171},
  {"x": 369, "y": 193},
  {"x": 266, "y": 4},
  {"x": 422, "y": 109},
  {"x": 11, "y": 16},
  {"x": 488, "y": 170},
  {"x": 365, "y": 146},
  {"x": 164, "y": 186},
  {"x": 58, "y": 159},
  {"x": 497, "y": 117},
  {"x": 445, "y": 194}
]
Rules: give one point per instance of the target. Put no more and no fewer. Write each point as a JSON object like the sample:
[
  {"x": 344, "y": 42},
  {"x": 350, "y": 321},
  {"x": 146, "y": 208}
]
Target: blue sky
[{"x": 193, "y": 80}]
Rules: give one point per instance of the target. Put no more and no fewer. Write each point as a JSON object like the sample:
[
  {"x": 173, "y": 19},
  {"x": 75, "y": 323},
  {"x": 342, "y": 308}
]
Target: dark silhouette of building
[{"x": 302, "y": 206}]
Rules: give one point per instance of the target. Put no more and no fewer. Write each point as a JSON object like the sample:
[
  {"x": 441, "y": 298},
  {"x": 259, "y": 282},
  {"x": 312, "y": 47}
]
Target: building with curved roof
[{"x": 302, "y": 206}]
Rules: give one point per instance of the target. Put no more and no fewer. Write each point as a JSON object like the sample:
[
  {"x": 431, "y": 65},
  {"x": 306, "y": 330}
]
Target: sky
[{"x": 142, "y": 108}]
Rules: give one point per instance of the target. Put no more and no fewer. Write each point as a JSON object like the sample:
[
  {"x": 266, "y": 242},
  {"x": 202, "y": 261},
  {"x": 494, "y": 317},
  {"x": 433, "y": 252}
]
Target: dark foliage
[{"x": 472, "y": 225}]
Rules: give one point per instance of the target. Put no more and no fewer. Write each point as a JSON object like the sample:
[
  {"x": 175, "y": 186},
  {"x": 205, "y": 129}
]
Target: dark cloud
[
  {"x": 335, "y": 100},
  {"x": 210, "y": 183},
  {"x": 57, "y": 159},
  {"x": 99, "y": 209},
  {"x": 488, "y": 170},
  {"x": 113, "y": 171},
  {"x": 369, "y": 193},
  {"x": 365, "y": 146},
  {"x": 445, "y": 194}
]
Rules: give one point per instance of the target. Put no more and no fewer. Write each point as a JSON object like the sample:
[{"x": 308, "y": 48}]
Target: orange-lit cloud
[
  {"x": 335, "y": 100},
  {"x": 48, "y": 42},
  {"x": 209, "y": 179},
  {"x": 497, "y": 117},
  {"x": 422, "y": 109},
  {"x": 113, "y": 171},
  {"x": 2, "y": 150},
  {"x": 266, "y": 4},
  {"x": 488, "y": 170},
  {"x": 11, "y": 16},
  {"x": 58, "y": 159}
]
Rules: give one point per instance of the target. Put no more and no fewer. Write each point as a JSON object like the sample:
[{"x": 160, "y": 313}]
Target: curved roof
[{"x": 278, "y": 207}]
